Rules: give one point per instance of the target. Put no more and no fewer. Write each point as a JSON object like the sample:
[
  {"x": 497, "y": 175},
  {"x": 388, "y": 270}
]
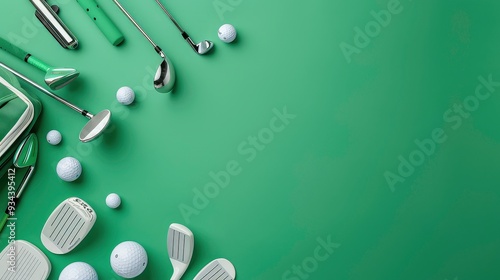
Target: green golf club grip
[
  {"x": 12, "y": 49},
  {"x": 23, "y": 55},
  {"x": 103, "y": 22}
]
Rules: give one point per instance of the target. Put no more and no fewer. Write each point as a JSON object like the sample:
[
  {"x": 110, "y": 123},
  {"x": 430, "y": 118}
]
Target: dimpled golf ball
[
  {"x": 125, "y": 95},
  {"x": 54, "y": 137},
  {"x": 128, "y": 259},
  {"x": 113, "y": 200},
  {"x": 227, "y": 33},
  {"x": 69, "y": 169},
  {"x": 78, "y": 271}
]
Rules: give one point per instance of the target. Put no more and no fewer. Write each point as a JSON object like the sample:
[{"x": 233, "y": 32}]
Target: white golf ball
[
  {"x": 54, "y": 137},
  {"x": 125, "y": 95},
  {"x": 227, "y": 33},
  {"x": 69, "y": 169},
  {"x": 113, "y": 200},
  {"x": 129, "y": 259},
  {"x": 78, "y": 271}
]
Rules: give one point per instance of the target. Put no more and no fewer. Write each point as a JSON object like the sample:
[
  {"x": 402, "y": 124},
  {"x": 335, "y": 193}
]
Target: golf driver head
[
  {"x": 27, "y": 152},
  {"x": 219, "y": 269},
  {"x": 57, "y": 78},
  {"x": 164, "y": 79},
  {"x": 68, "y": 225},
  {"x": 30, "y": 263},
  {"x": 95, "y": 126},
  {"x": 180, "y": 245}
]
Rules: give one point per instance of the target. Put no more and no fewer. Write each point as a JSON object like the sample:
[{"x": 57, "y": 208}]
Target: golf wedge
[
  {"x": 202, "y": 47},
  {"x": 96, "y": 124},
  {"x": 164, "y": 79},
  {"x": 219, "y": 269},
  {"x": 55, "y": 78},
  {"x": 180, "y": 245}
]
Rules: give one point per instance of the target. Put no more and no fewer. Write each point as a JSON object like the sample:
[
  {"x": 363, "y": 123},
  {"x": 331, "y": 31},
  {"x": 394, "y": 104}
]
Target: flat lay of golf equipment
[
  {"x": 28, "y": 262},
  {"x": 113, "y": 200},
  {"x": 227, "y": 33},
  {"x": 54, "y": 137},
  {"x": 78, "y": 271},
  {"x": 128, "y": 259},
  {"x": 69, "y": 169},
  {"x": 68, "y": 225},
  {"x": 125, "y": 95}
]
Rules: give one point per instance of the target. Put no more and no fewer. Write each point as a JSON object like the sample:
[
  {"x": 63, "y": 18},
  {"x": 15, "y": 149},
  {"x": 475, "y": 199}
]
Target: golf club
[
  {"x": 25, "y": 155},
  {"x": 165, "y": 74},
  {"x": 96, "y": 124},
  {"x": 201, "y": 48},
  {"x": 30, "y": 262},
  {"x": 68, "y": 225},
  {"x": 55, "y": 78},
  {"x": 219, "y": 269},
  {"x": 180, "y": 245}
]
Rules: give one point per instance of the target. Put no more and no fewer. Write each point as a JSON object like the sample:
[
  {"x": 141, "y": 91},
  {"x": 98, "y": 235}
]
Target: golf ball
[
  {"x": 128, "y": 259},
  {"x": 125, "y": 95},
  {"x": 78, "y": 271},
  {"x": 113, "y": 200},
  {"x": 54, "y": 137},
  {"x": 227, "y": 33},
  {"x": 69, "y": 169}
]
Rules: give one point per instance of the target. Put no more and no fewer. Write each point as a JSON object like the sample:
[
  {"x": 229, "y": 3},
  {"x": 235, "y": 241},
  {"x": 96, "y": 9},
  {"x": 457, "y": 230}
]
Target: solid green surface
[{"x": 319, "y": 178}]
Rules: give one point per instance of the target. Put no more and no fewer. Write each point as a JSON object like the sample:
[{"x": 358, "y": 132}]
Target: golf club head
[
  {"x": 30, "y": 263},
  {"x": 57, "y": 78},
  {"x": 68, "y": 225},
  {"x": 180, "y": 245},
  {"x": 219, "y": 269},
  {"x": 204, "y": 46},
  {"x": 165, "y": 77},
  {"x": 27, "y": 152},
  {"x": 95, "y": 126}
]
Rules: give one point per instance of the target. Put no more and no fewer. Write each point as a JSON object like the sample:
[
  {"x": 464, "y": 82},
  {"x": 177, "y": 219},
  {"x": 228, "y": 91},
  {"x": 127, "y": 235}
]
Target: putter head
[
  {"x": 27, "y": 152},
  {"x": 180, "y": 245},
  {"x": 57, "y": 78},
  {"x": 68, "y": 225},
  {"x": 30, "y": 262},
  {"x": 95, "y": 126},
  {"x": 204, "y": 46},
  {"x": 164, "y": 79},
  {"x": 219, "y": 269}
]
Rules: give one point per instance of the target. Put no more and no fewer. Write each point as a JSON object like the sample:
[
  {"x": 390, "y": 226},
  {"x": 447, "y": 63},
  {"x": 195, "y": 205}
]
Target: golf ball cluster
[
  {"x": 113, "y": 200},
  {"x": 227, "y": 33},
  {"x": 78, "y": 271},
  {"x": 129, "y": 259},
  {"x": 125, "y": 95},
  {"x": 54, "y": 137},
  {"x": 69, "y": 169}
]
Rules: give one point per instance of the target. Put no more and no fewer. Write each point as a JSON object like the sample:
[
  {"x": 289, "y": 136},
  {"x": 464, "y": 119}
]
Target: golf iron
[
  {"x": 96, "y": 124},
  {"x": 180, "y": 245},
  {"x": 164, "y": 79},
  {"x": 30, "y": 263},
  {"x": 202, "y": 47},
  {"x": 219, "y": 269},
  {"x": 25, "y": 156},
  {"x": 55, "y": 78}
]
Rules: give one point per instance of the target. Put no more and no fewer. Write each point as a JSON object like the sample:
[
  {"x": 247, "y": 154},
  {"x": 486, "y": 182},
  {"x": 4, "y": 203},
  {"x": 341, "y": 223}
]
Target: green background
[{"x": 321, "y": 177}]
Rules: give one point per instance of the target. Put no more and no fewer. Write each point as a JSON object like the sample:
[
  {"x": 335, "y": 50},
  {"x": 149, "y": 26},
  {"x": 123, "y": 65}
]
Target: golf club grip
[
  {"x": 37, "y": 62},
  {"x": 103, "y": 22},
  {"x": 12, "y": 49}
]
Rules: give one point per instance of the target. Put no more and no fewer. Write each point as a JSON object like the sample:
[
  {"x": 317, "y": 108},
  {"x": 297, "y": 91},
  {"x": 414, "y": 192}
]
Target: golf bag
[{"x": 18, "y": 114}]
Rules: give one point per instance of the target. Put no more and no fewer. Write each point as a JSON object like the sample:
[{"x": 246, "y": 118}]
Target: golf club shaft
[
  {"x": 60, "y": 99},
  {"x": 17, "y": 195},
  {"x": 170, "y": 16},
  {"x": 135, "y": 23}
]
